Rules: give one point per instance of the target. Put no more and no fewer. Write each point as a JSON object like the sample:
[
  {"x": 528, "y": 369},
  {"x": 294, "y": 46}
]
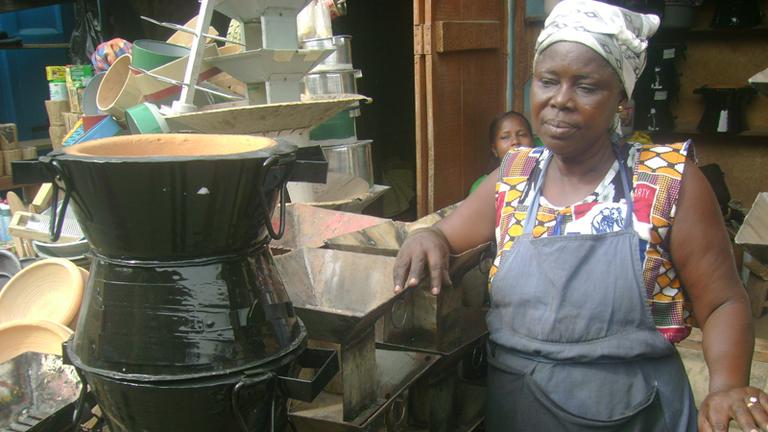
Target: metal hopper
[{"x": 339, "y": 297}]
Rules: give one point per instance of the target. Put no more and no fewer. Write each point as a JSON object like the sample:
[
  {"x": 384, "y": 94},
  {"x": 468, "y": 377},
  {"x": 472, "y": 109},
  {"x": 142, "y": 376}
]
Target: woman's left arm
[{"x": 701, "y": 254}]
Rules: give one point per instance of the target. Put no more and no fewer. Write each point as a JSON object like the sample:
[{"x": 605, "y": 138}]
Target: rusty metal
[
  {"x": 419, "y": 320},
  {"x": 397, "y": 370},
  {"x": 340, "y": 296},
  {"x": 437, "y": 402}
]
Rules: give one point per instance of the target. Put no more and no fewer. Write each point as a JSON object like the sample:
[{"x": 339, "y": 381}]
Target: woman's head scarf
[{"x": 618, "y": 35}]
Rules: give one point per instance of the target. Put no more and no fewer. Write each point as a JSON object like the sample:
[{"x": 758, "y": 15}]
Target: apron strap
[{"x": 533, "y": 209}]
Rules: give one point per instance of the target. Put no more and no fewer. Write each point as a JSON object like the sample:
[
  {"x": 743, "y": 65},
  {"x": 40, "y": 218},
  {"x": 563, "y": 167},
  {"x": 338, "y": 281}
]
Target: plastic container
[{"x": 5, "y": 221}]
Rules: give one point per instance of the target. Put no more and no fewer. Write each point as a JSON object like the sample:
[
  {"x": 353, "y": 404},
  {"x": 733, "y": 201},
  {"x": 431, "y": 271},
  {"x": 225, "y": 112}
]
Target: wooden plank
[
  {"x": 42, "y": 199},
  {"x": 19, "y": 227},
  {"x": 13, "y": 5},
  {"x": 522, "y": 51},
  {"x": 422, "y": 149},
  {"x": 467, "y": 35},
  {"x": 453, "y": 107}
]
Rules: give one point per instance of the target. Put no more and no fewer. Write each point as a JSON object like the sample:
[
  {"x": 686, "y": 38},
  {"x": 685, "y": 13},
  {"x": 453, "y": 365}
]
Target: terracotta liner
[{"x": 169, "y": 145}]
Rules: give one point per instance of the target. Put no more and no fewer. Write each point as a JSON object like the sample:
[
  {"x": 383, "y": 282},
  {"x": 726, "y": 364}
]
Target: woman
[
  {"x": 507, "y": 131},
  {"x": 606, "y": 250}
]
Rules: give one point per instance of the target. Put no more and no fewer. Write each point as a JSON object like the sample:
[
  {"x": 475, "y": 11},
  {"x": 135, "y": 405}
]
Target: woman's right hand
[{"x": 425, "y": 251}]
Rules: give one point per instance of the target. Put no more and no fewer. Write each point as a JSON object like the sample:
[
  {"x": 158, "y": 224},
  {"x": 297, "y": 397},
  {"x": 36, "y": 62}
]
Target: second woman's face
[
  {"x": 574, "y": 96},
  {"x": 513, "y": 132}
]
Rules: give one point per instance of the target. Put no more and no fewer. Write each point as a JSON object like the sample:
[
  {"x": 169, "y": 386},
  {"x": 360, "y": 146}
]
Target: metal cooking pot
[
  {"x": 174, "y": 196},
  {"x": 331, "y": 83},
  {"x": 342, "y": 56},
  {"x": 354, "y": 159}
]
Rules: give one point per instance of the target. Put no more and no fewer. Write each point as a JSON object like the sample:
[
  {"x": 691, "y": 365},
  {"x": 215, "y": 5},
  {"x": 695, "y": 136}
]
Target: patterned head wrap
[
  {"x": 108, "y": 52},
  {"x": 618, "y": 35}
]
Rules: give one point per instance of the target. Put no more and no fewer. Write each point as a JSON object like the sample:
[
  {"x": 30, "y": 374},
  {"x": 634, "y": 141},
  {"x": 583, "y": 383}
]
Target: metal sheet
[
  {"x": 261, "y": 64},
  {"x": 259, "y": 119},
  {"x": 37, "y": 386},
  {"x": 338, "y": 295},
  {"x": 309, "y": 226},
  {"x": 397, "y": 370},
  {"x": 468, "y": 327}
]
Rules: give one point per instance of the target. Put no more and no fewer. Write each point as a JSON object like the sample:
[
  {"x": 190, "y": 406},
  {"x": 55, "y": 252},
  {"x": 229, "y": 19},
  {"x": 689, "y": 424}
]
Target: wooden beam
[
  {"x": 14, "y": 5},
  {"x": 467, "y": 35}
]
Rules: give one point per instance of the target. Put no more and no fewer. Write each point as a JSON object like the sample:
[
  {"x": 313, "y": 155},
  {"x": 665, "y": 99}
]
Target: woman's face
[
  {"x": 574, "y": 96},
  {"x": 513, "y": 132}
]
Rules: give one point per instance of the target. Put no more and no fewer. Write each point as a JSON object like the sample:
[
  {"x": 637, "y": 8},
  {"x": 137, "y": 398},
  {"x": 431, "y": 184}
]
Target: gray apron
[{"x": 573, "y": 346}]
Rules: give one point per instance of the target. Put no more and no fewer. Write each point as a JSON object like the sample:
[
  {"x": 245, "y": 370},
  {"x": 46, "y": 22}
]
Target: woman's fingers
[
  {"x": 704, "y": 425},
  {"x": 416, "y": 272},
  {"x": 438, "y": 267},
  {"x": 400, "y": 272},
  {"x": 759, "y": 413},
  {"x": 743, "y": 416}
]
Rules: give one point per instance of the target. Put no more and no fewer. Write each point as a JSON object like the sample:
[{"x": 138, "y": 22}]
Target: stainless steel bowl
[
  {"x": 353, "y": 159},
  {"x": 340, "y": 59},
  {"x": 332, "y": 83}
]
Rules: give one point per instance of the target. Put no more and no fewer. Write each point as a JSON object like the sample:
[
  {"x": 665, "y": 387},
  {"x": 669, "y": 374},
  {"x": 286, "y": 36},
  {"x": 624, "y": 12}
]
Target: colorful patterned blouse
[{"x": 657, "y": 175}]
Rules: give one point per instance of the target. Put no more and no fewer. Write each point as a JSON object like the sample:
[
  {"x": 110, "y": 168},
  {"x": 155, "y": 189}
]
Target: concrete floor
[{"x": 761, "y": 327}]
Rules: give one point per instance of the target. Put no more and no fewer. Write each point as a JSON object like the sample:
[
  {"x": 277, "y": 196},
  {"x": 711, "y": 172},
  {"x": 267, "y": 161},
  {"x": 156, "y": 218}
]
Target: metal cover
[
  {"x": 250, "y": 10},
  {"x": 259, "y": 65},
  {"x": 259, "y": 119}
]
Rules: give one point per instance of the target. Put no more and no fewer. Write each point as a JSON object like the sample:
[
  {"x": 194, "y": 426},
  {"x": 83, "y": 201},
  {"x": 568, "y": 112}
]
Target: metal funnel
[
  {"x": 338, "y": 295},
  {"x": 250, "y": 10}
]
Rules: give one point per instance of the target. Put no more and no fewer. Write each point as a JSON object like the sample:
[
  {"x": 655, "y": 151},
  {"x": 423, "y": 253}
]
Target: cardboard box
[
  {"x": 10, "y": 135},
  {"x": 56, "y": 110},
  {"x": 8, "y": 157},
  {"x": 57, "y": 133},
  {"x": 56, "y": 73},
  {"x": 29, "y": 153},
  {"x": 70, "y": 120},
  {"x": 753, "y": 234},
  {"x": 77, "y": 77}
]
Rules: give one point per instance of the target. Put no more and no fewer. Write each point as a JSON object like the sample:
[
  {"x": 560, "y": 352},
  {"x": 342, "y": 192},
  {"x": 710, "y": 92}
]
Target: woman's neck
[
  {"x": 594, "y": 161},
  {"x": 571, "y": 178}
]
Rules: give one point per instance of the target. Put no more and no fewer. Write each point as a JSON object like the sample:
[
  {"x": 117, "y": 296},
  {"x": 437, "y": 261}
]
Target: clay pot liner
[
  {"x": 170, "y": 145},
  {"x": 18, "y": 337},
  {"x": 50, "y": 289}
]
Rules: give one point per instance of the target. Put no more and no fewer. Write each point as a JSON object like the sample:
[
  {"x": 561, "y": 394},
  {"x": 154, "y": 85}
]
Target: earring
[{"x": 621, "y": 108}]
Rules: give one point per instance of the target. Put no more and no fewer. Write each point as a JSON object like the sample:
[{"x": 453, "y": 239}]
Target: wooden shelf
[
  {"x": 535, "y": 20},
  {"x": 704, "y": 33},
  {"x": 6, "y": 183},
  {"x": 13, "y": 5},
  {"x": 686, "y": 129}
]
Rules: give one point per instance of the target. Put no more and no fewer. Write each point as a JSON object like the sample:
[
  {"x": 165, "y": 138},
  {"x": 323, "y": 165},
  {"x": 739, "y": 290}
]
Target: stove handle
[
  {"x": 57, "y": 215},
  {"x": 276, "y": 161},
  {"x": 244, "y": 383},
  {"x": 327, "y": 364}
]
